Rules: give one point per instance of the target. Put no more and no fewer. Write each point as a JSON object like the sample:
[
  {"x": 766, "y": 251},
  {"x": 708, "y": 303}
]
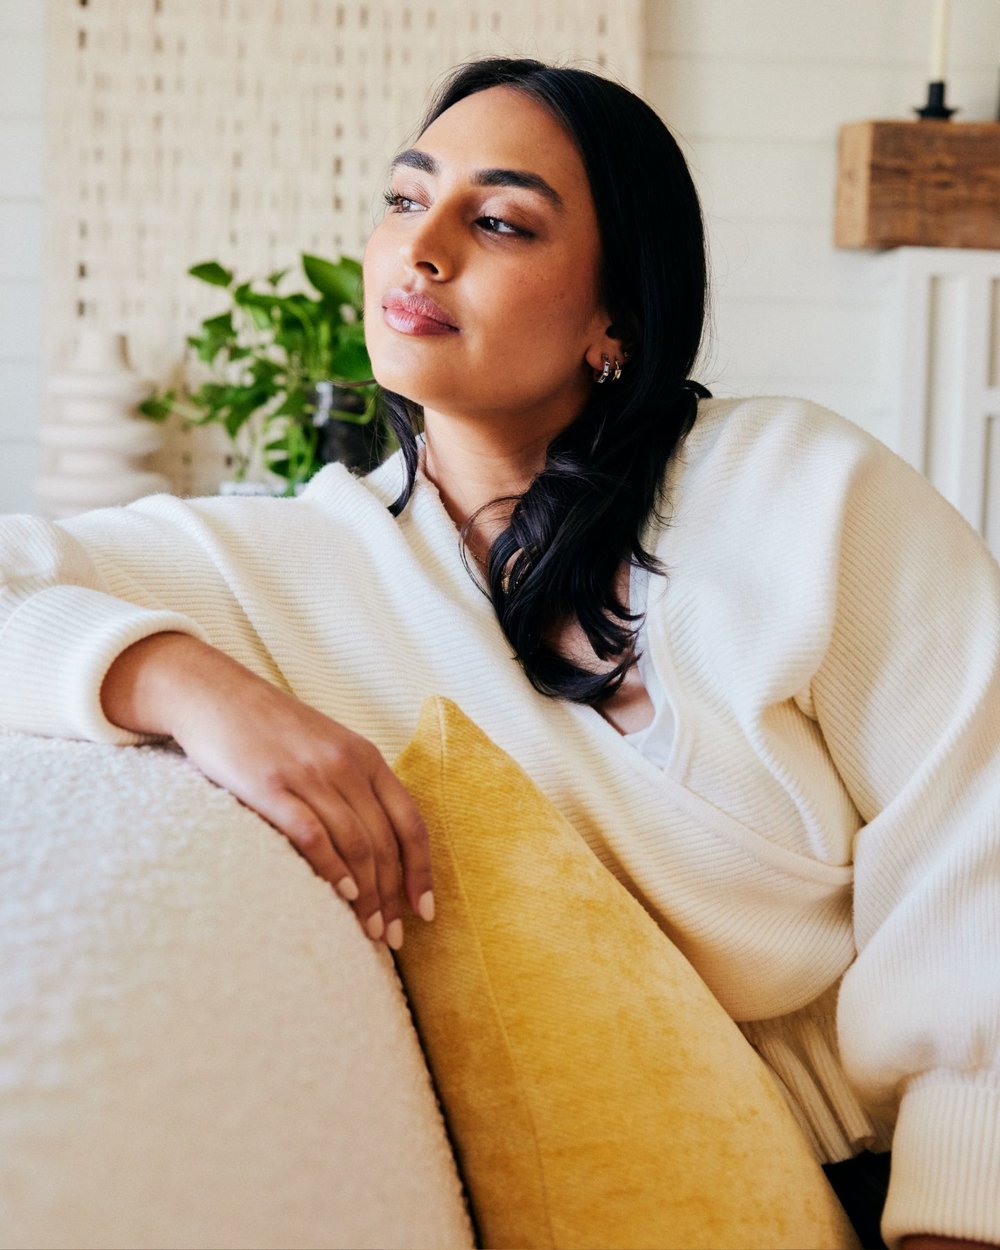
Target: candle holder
[{"x": 935, "y": 109}]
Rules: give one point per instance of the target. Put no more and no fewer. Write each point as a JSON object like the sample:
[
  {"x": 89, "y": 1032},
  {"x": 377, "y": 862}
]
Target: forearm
[{"x": 145, "y": 688}]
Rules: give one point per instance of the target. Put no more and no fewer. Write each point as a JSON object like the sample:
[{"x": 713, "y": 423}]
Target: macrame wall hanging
[{"x": 248, "y": 131}]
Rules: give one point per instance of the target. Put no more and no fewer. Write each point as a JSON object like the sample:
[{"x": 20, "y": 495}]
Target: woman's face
[{"x": 492, "y": 221}]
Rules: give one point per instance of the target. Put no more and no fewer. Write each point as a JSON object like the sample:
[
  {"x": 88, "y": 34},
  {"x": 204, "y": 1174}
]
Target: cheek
[{"x": 553, "y": 305}]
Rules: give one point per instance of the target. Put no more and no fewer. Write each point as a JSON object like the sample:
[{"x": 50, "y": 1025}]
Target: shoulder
[
  {"x": 733, "y": 436},
  {"x": 785, "y": 490},
  {"x": 773, "y": 461}
]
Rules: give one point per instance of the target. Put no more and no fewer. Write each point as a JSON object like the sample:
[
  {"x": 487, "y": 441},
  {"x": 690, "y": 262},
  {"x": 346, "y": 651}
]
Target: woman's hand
[{"x": 328, "y": 790}]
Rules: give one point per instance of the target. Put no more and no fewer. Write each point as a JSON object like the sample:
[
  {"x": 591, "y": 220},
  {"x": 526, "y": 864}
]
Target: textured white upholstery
[{"x": 198, "y": 1046}]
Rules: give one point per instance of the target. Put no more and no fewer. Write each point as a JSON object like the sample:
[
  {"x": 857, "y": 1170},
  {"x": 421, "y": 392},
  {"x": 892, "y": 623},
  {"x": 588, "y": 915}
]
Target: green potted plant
[{"x": 289, "y": 379}]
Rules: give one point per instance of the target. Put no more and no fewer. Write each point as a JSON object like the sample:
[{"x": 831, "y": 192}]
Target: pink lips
[{"x": 410, "y": 313}]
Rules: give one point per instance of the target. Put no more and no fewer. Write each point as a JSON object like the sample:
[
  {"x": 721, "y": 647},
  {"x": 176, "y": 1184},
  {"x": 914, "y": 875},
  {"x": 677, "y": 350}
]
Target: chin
[
  {"x": 407, "y": 382},
  {"x": 397, "y": 382}
]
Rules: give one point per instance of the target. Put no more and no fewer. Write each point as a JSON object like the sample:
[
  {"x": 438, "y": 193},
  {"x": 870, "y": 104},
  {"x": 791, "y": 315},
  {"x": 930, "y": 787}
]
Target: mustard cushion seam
[{"x": 489, "y": 982}]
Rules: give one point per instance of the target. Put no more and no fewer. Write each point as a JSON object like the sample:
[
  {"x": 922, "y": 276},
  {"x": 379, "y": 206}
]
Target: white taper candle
[{"x": 939, "y": 42}]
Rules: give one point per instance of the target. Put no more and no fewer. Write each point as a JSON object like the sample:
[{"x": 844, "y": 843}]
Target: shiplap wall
[
  {"x": 21, "y": 139},
  {"x": 755, "y": 91}
]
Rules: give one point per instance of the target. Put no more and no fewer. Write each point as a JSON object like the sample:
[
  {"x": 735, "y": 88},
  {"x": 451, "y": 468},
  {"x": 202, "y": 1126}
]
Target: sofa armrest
[{"x": 198, "y": 1046}]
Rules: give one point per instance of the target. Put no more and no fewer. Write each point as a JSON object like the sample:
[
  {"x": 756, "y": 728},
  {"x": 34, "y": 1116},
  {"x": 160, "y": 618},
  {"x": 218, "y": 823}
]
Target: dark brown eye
[{"x": 497, "y": 225}]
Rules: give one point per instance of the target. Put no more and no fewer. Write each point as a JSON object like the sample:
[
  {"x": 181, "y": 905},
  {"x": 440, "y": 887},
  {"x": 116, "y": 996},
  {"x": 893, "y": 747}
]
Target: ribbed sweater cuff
[
  {"x": 946, "y": 1160},
  {"x": 55, "y": 651}
]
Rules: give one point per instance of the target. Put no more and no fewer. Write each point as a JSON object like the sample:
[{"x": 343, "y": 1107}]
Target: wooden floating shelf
[{"x": 918, "y": 184}]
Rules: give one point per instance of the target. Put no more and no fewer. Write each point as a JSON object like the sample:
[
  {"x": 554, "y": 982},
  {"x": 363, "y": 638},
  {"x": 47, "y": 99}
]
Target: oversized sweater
[{"x": 823, "y": 842}]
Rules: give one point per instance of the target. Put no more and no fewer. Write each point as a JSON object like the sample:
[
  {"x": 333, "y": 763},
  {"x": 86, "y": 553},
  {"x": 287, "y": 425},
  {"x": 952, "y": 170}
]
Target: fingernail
[
  {"x": 425, "y": 905},
  {"x": 346, "y": 888},
  {"x": 375, "y": 925},
  {"x": 394, "y": 934}
]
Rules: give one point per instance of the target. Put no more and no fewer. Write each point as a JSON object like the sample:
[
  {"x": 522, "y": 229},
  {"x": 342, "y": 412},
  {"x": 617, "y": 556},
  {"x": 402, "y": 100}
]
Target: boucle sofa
[{"x": 198, "y": 1046}]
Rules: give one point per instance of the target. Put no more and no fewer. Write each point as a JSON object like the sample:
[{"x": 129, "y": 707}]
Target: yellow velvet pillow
[{"x": 596, "y": 1093}]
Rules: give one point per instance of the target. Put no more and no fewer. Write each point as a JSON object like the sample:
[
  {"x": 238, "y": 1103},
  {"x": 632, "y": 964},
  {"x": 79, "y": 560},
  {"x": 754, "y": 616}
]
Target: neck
[{"x": 471, "y": 467}]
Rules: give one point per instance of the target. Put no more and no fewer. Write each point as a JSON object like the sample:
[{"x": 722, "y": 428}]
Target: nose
[{"x": 427, "y": 248}]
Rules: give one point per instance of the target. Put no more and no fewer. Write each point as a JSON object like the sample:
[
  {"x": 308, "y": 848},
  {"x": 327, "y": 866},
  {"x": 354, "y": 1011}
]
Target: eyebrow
[{"x": 415, "y": 159}]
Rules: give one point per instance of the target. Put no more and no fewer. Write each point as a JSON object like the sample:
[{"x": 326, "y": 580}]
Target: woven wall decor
[{"x": 248, "y": 131}]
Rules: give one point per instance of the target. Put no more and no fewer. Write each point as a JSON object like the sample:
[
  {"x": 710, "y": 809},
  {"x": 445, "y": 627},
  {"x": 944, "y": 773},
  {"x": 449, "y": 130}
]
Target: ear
[{"x": 609, "y": 342}]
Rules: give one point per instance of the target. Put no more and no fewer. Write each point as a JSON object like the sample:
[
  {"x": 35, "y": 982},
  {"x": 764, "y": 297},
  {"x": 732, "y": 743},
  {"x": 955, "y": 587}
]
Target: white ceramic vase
[{"x": 94, "y": 441}]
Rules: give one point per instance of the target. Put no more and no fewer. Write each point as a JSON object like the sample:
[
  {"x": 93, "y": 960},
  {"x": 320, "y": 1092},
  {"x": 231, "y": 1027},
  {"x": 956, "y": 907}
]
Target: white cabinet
[{"x": 943, "y": 370}]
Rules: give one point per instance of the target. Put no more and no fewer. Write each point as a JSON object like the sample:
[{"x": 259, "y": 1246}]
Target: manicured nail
[
  {"x": 394, "y": 934},
  {"x": 346, "y": 888},
  {"x": 375, "y": 925},
  {"x": 425, "y": 905}
]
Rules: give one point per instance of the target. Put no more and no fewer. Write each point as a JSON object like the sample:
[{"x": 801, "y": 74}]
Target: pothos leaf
[
  {"x": 212, "y": 272},
  {"x": 340, "y": 280}
]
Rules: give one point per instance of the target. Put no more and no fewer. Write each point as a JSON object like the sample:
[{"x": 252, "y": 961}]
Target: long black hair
[{"x": 582, "y": 516}]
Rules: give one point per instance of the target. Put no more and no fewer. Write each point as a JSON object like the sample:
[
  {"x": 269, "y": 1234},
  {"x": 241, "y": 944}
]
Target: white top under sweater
[{"x": 828, "y": 814}]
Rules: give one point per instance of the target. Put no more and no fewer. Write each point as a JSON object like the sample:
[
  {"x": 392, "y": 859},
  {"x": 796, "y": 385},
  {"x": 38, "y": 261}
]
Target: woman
[{"x": 747, "y": 614}]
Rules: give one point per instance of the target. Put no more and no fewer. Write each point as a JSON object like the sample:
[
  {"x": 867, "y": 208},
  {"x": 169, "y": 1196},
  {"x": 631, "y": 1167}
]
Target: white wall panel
[
  {"x": 712, "y": 97},
  {"x": 764, "y": 180},
  {"x": 22, "y": 385},
  {"x": 765, "y": 340},
  {"x": 22, "y": 17},
  {"x": 787, "y": 262},
  {"x": 19, "y": 462},
  {"x": 21, "y": 157},
  {"x": 20, "y": 82},
  {"x": 20, "y": 239},
  {"x": 20, "y": 320}
]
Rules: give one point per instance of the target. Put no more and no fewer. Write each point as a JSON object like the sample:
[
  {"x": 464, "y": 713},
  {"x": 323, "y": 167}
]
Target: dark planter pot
[{"x": 360, "y": 447}]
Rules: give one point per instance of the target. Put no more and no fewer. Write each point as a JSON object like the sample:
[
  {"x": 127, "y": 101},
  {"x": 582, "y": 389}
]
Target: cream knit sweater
[{"x": 824, "y": 841}]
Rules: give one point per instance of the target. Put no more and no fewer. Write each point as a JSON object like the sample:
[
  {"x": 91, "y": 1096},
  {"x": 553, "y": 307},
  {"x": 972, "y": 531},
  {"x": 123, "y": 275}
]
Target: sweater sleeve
[
  {"x": 75, "y": 594},
  {"x": 908, "y": 699}
]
